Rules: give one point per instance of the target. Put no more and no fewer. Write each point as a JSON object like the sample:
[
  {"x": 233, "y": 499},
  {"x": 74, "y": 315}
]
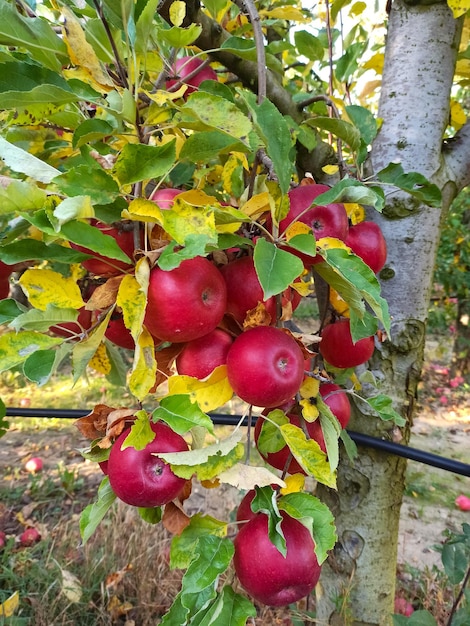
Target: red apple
[
  {"x": 5, "y": 271},
  {"x": 244, "y": 291},
  {"x": 102, "y": 266},
  {"x": 403, "y": 607},
  {"x": 164, "y": 196},
  {"x": 200, "y": 357},
  {"x": 279, "y": 459},
  {"x": 265, "y": 366},
  {"x": 118, "y": 333},
  {"x": 337, "y": 400},
  {"x": 330, "y": 220},
  {"x": 29, "y": 537},
  {"x": 185, "y": 66},
  {"x": 338, "y": 349},
  {"x": 72, "y": 329},
  {"x": 264, "y": 572},
  {"x": 139, "y": 477},
  {"x": 367, "y": 241},
  {"x": 33, "y": 465},
  {"x": 187, "y": 302},
  {"x": 104, "y": 466},
  {"x": 3, "y": 539}
]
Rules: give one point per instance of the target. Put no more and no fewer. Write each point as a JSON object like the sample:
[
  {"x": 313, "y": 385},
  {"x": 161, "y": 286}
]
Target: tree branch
[{"x": 456, "y": 155}]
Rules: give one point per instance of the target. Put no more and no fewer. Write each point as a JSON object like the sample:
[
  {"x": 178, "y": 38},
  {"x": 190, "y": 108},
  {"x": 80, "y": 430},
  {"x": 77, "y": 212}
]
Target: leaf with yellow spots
[
  {"x": 185, "y": 220},
  {"x": 210, "y": 393},
  {"x": 294, "y": 484},
  {"x": 100, "y": 361},
  {"x": 9, "y": 606},
  {"x": 144, "y": 368},
  {"x": 459, "y": 7},
  {"x": 356, "y": 212},
  {"x": 141, "y": 210},
  {"x": 81, "y": 52},
  {"x": 257, "y": 205},
  {"x": 43, "y": 287},
  {"x": 132, "y": 300},
  {"x": 232, "y": 173},
  {"x": 16, "y": 347},
  {"x": 84, "y": 350}
]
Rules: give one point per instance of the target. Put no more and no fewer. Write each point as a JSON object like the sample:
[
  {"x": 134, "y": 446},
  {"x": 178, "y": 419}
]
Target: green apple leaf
[
  {"x": 211, "y": 557},
  {"x": 181, "y": 414},
  {"x": 139, "y": 162},
  {"x": 265, "y": 501},
  {"x": 150, "y": 515},
  {"x": 90, "y": 237},
  {"x": 270, "y": 438},
  {"x": 246, "y": 49},
  {"x": 9, "y": 310},
  {"x": 183, "y": 546},
  {"x": 352, "y": 190},
  {"x": 275, "y": 268},
  {"x": 229, "y": 608},
  {"x": 35, "y": 319},
  {"x": 93, "y": 514},
  {"x": 382, "y": 406},
  {"x": 203, "y": 147},
  {"x": 84, "y": 180},
  {"x": 118, "y": 373},
  {"x": 141, "y": 433},
  {"x": 21, "y": 161},
  {"x": 178, "y": 37},
  {"x": 21, "y": 196},
  {"x": 22, "y": 85},
  {"x": 341, "y": 129},
  {"x": 418, "y": 618},
  {"x": 15, "y": 347},
  {"x": 308, "y": 45},
  {"x": 413, "y": 183},
  {"x": 39, "y": 366},
  {"x": 331, "y": 429},
  {"x": 309, "y": 455},
  {"x": 315, "y": 516},
  {"x": 349, "y": 445},
  {"x": 91, "y": 130},
  {"x": 34, "y": 250},
  {"x": 4, "y": 425}
]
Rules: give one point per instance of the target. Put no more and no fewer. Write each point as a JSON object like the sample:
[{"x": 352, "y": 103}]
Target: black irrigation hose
[{"x": 413, "y": 454}]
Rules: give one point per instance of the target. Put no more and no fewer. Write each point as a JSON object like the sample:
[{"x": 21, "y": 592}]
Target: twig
[
  {"x": 119, "y": 65},
  {"x": 249, "y": 7},
  {"x": 459, "y": 597}
]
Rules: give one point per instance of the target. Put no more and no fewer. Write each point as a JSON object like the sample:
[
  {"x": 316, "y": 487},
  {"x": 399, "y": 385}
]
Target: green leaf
[
  {"x": 455, "y": 561},
  {"x": 275, "y": 268},
  {"x": 413, "y": 183},
  {"x": 315, "y": 516},
  {"x": 418, "y": 618},
  {"x": 246, "y": 49},
  {"x": 383, "y": 407},
  {"x": 21, "y": 196},
  {"x": 341, "y": 129},
  {"x": 183, "y": 546},
  {"x": 141, "y": 433},
  {"x": 151, "y": 515},
  {"x": 4, "y": 425},
  {"x": 308, "y": 45},
  {"x": 90, "y": 131},
  {"x": 204, "y": 147},
  {"x": 39, "y": 366},
  {"x": 35, "y": 319},
  {"x": 349, "y": 445},
  {"x": 33, "y": 34},
  {"x": 21, "y": 161},
  {"x": 181, "y": 414},
  {"x": 90, "y": 237},
  {"x": 139, "y": 162},
  {"x": 355, "y": 282},
  {"x": 229, "y": 609},
  {"x": 272, "y": 128},
  {"x": 178, "y": 37},
  {"x": 22, "y": 84},
  {"x": 309, "y": 455},
  {"x": 9, "y": 310},
  {"x": 270, "y": 438},
  {"x": 331, "y": 429},
  {"x": 15, "y": 348},
  {"x": 348, "y": 63},
  {"x": 212, "y": 556},
  {"x": 351, "y": 190},
  {"x": 94, "y": 182},
  {"x": 364, "y": 120},
  {"x": 118, "y": 374},
  {"x": 73, "y": 208},
  {"x": 34, "y": 250},
  {"x": 93, "y": 514},
  {"x": 204, "y": 111},
  {"x": 265, "y": 502}
]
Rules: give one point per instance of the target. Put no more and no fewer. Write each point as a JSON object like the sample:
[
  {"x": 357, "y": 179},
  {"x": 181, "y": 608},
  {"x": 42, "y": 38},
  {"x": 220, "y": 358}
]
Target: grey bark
[{"x": 421, "y": 49}]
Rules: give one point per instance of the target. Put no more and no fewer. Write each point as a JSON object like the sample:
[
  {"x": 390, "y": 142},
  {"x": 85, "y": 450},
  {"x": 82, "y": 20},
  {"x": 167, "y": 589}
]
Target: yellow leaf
[
  {"x": 81, "y": 53},
  {"x": 376, "y": 63},
  {"x": 294, "y": 484},
  {"x": 286, "y": 13},
  {"x": 197, "y": 197},
  {"x": 71, "y": 586},
  {"x": 355, "y": 212},
  {"x": 177, "y": 12},
  {"x": 302, "y": 287},
  {"x": 144, "y": 368},
  {"x": 457, "y": 115},
  {"x": 357, "y": 8},
  {"x": 257, "y": 205},
  {"x": 330, "y": 169},
  {"x": 162, "y": 97},
  {"x": 330, "y": 242},
  {"x": 309, "y": 409},
  {"x": 234, "y": 161},
  {"x": 210, "y": 393},
  {"x": 45, "y": 287},
  {"x": 297, "y": 228},
  {"x": 185, "y": 219},
  {"x": 9, "y": 606},
  {"x": 459, "y": 7},
  {"x": 310, "y": 387},
  {"x": 100, "y": 361},
  {"x": 243, "y": 476},
  {"x": 132, "y": 300},
  {"x": 142, "y": 210},
  {"x": 339, "y": 305},
  {"x": 463, "y": 68}
]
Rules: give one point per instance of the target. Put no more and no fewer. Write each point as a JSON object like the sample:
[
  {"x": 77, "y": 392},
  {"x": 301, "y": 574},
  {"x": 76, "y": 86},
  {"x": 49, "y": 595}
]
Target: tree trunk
[{"x": 420, "y": 57}]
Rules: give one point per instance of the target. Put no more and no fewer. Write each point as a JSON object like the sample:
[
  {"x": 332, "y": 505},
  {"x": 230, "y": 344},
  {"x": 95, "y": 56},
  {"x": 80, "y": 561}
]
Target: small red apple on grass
[
  {"x": 265, "y": 366},
  {"x": 338, "y": 349},
  {"x": 139, "y": 477},
  {"x": 191, "y": 71},
  {"x": 201, "y": 356},
  {"x": 33, "y": 465},
  {"x": 3, "y": 539},
  {"x": 463, "y": 502},
  {"x": 185, "y": 303},
  {"x": 268, "y": 576},
  {"x": 29, "y": 537},
  {"x": 403, "y": 607}
]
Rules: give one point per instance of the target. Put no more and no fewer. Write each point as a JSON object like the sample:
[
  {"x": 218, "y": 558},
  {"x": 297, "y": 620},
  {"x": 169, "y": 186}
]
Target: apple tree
[{"x": 175, "y": 179}]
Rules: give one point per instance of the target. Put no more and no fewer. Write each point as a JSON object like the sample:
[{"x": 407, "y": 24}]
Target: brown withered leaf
[
  {"x": 104, "y": 295},
  {"x": 185, "y": 492},
  {"x": 174, "y": 519},
  {"x": 116, "y": 577},
  {"x": 258, "y": 316},
  {"x": 211, "y": 484},
  {"x": 93, "y": 425},
  {"x": 165, "y": 359},
  {"x": 118, "y": 420}
]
